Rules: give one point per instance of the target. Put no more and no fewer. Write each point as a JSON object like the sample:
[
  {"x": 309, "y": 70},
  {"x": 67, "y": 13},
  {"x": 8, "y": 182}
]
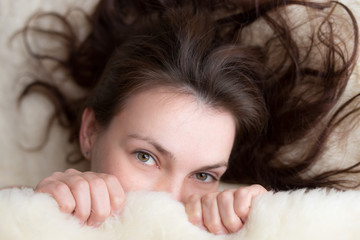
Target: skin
[{"x": 160, "y": 141}]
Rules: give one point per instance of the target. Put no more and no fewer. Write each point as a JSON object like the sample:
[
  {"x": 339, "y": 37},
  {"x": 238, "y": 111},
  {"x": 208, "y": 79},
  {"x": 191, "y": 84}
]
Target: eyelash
[{"x": 214, "y": 179}]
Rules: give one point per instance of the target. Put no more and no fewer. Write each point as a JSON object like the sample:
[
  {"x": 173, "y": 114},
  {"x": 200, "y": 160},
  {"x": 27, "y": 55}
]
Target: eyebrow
[
  {"x": 209, "y": 167},
  {"x": 170, "y": 155},
  {"x": 155, "y": 144}
]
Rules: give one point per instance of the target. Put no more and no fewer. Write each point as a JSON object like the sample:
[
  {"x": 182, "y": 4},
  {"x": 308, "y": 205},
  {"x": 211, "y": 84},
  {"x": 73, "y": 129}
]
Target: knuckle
[
  {"x": 97, "y": 182},
  {"x": 214, "y": 227},
  {"x": 67, "y": 206},
  {"x": 118, "y": 201},
  {"x": 60, "y": 188},
  {"x": 195, "y": 216},
  {"x": 109, "y": 178},
  {"x": 196, "y": 219},
  {"x": 208, "y": 199},
  {"x": 225, "y": 196},
  {"x": 241, "y": 211},
  {"x": 81, "y": 215},
  {"x": 194, "y": 212},
  {"x": 71, "y": 171},
  {"x": 101, "y": 214},
  {"x": 233, "y": 225},
  {"x": 80, "y": 184},
  {"x": 241, "y": 192},
  {"x": 192, "y": 199},
  {"x": 41, "y": 187},
  {"x": 258, "y": 186}
]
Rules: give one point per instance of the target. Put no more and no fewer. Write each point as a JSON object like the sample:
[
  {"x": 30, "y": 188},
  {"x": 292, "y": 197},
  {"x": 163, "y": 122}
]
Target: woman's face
[{"x": 162, "y": 141}]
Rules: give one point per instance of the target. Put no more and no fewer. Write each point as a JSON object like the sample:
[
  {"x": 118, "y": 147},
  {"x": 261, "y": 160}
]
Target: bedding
[{"x": 317, "y": 214}]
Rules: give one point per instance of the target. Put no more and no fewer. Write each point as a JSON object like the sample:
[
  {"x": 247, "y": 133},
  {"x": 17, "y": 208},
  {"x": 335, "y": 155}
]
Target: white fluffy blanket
[{"x": 317, "y": 214}]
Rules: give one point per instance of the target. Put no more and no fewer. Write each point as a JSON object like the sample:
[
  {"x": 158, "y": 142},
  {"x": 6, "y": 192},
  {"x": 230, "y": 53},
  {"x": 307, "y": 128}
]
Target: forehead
[{"x": 179, "y": 122}]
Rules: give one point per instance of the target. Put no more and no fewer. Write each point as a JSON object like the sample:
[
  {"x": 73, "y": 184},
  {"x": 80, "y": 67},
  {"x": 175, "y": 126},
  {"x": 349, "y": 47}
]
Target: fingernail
[
  {"x": 97, "y": 224},
  {"x": 114, "y": 214},
  {"x": 94, "y": 224},
  {"x": 202, "y": 227},
  {"x": 220, "y": 233}
]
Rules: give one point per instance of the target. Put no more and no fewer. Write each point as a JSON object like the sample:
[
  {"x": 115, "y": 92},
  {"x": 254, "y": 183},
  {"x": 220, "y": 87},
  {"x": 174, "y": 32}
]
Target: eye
[
  {"x": 146, "y": 158},
  {"x": 205, "y": 177}
]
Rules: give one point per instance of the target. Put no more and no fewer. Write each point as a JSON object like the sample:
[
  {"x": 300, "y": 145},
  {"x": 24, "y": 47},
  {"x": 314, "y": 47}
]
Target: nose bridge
[{"x": 172, "y": 185}]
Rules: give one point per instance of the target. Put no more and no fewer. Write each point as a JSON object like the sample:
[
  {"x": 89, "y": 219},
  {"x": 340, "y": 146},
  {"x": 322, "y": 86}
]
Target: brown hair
[{"x": 275, "y": 90}]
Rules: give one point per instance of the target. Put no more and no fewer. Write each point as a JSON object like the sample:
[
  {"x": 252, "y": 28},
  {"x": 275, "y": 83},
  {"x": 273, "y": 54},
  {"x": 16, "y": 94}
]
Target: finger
[
  {"x": 116, "y": 193},
  {"x": 194, "y": 211},
  {"x": 243, "y": 198},
  {"x": 229, "y": 218},
  {"x": 60, "y": 192},
  {"x": 211, "y": 216},
  {"x": 81, "y": 192},
  {"x": 100, "y": 200},
  {"x": 72, "y": 172}
]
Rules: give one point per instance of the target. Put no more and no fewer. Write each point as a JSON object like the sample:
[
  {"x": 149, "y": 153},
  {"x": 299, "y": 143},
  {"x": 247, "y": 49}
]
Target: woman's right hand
[{"x": 89, "y": 196}]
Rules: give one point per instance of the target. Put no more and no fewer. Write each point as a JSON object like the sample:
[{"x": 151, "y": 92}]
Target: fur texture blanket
[{"x": 317, "y": 214}]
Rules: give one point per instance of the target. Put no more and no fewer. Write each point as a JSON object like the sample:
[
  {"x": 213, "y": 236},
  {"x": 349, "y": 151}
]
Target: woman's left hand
[{"x": 222, "y": 212}]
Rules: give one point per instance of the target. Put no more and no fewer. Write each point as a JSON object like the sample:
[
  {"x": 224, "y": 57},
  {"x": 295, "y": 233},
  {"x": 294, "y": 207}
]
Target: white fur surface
[{"x": 316, "y": 214}]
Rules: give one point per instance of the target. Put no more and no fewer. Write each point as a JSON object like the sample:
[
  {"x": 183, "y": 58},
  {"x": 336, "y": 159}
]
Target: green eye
[{"x": 145, "y": 158}]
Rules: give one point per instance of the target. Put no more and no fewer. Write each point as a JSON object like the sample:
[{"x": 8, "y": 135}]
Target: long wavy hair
[{"x": 280, "y": 77}]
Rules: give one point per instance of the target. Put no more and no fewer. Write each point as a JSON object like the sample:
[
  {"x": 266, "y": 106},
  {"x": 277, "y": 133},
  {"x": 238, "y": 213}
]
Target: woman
[{"x": 178, "y": 95}]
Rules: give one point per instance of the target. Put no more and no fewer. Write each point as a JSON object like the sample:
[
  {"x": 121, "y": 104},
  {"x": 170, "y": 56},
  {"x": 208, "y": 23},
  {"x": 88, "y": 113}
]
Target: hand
[
  {"x": 222, "y": 212},
  {"x": 89, "y": 196}
]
